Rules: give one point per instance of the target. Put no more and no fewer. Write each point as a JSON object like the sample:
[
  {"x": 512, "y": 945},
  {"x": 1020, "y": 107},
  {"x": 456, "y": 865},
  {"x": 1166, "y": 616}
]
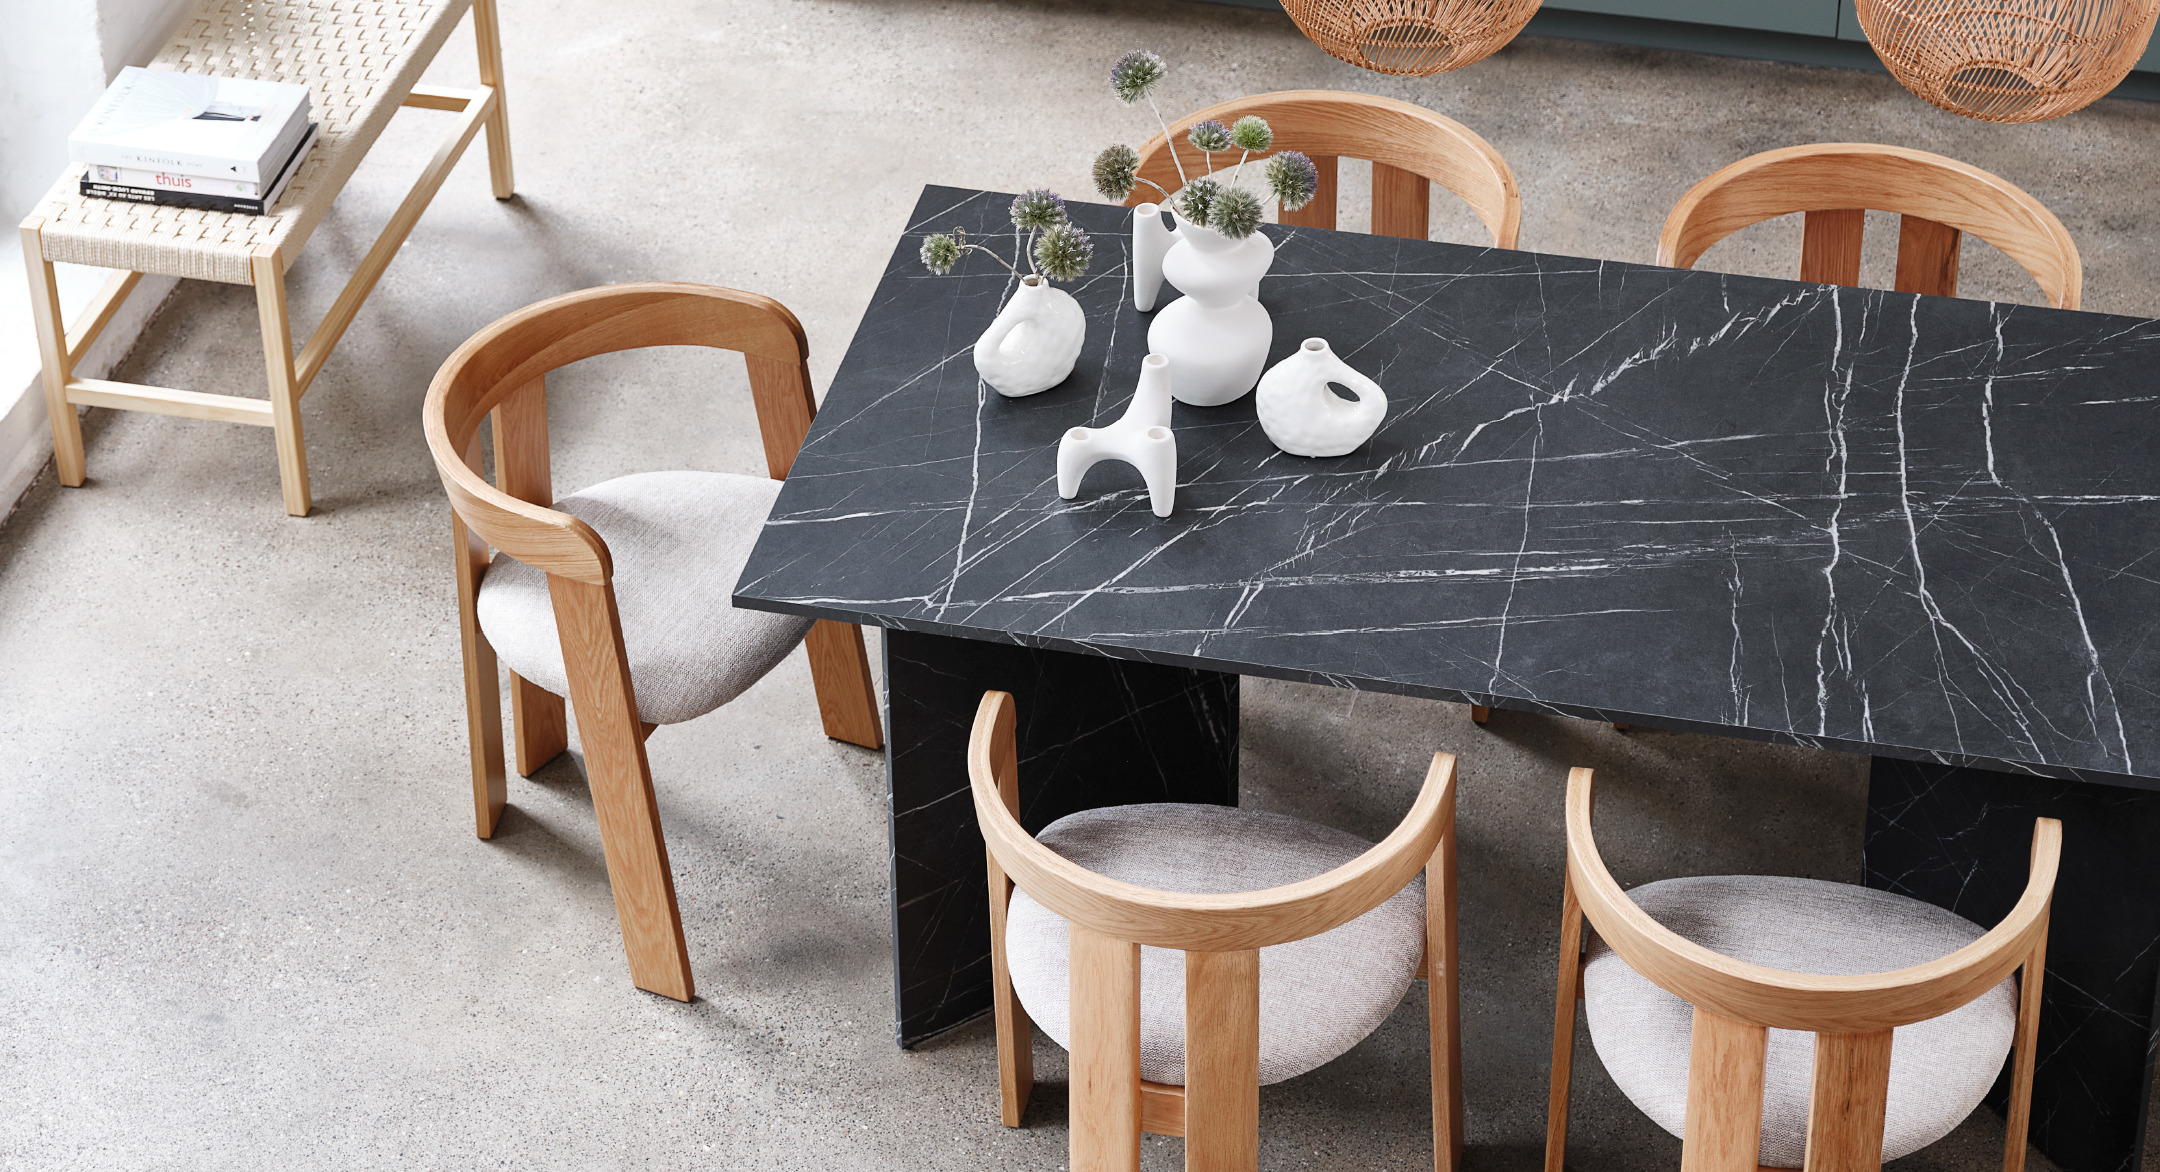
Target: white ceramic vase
[
  {"x": 1217, "y": 335},
  {"x": 1142, "y": 438},
  {"x": 1305, "y": 418},
  {"x": 1034, "y": 341}
]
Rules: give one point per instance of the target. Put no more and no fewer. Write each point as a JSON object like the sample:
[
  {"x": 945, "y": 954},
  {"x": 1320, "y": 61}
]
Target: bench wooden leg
[
  {"x": 269, "y": 266},
  {"x": 52, "y": 347},
  {"x": 487, "y": 32}
]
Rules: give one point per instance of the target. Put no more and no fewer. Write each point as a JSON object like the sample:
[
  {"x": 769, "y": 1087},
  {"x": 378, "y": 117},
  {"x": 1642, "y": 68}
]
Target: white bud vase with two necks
[
  {"x": 1034, "y": 341},
  {"x": 1217, "y": 335}
]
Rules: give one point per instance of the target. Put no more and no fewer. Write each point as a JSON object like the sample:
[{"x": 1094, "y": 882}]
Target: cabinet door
[
  {"x": 1815, "y": 18},
  {"x": 1848, "y": 28}
]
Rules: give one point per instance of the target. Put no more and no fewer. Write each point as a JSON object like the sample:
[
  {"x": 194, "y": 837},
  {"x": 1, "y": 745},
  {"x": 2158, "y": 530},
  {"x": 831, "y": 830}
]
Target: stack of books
[{"x": 224, "y": 144}]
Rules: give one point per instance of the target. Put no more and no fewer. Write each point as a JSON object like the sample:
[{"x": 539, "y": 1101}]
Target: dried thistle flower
[
  {"x": 941, "y": 252},
  {"x": 1036, "y": 209},
  {"x": 1195, "y": 199},
  {"x": 1063, "y": 251},
  {"x": 1235, "y": 213},
  {"x": 1210, "y": 136},
  {"x": 1293, "y": 179},
  {"x": 1252, "y": 133},
  {"x": 1117, "y": 169},
  {"x": 1135, "y": 74}
]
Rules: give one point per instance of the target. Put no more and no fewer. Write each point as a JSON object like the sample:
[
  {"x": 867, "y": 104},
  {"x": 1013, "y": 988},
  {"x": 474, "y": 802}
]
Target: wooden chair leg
[
  {"x": 1401, "y": 203},
  {"x": 2022, "y": 1054},
  {"x": 487, "y": 34},
  {"x": 621, "y": 782},
  {"x": 269, "y": 274},
  {"x": 846, "y": 696},
  {"x": 483, "y": 701},
  {"x": 1479, "y": 713},
  {"x": 1927, "y": 257},
  {"x": 1015, "y": 1033},
  {"x": 53, "y": 350},
  {"x": 539, "y": 722},
  {"x": 1320, "y": 211},
  {"x": 1563, "y": 1035},
  {"x": 1725, "y": 1094},
  {"x": 1222, "y": 1061},
  {"x": 1443, "y": 1001},
  {"x": 1105, "y": 1079},
  {"x": 1830, "y": 246},
  {"x": 1847, "y": 1106}
]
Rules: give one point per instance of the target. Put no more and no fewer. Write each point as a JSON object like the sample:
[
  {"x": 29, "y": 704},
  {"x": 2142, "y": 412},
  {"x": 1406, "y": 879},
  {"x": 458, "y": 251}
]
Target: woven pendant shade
[
  {"x": 1412, "y": 37},
  {"x": 2009, "y": 60}
]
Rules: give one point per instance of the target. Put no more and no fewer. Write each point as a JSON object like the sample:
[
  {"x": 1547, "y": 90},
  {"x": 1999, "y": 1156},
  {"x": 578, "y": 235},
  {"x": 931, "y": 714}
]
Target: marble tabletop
[{"x": 1912, "y": 526}]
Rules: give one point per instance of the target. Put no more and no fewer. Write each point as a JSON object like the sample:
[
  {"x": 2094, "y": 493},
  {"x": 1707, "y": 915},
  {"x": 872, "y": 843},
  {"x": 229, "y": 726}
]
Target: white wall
[{"x": 55, "y": 58}]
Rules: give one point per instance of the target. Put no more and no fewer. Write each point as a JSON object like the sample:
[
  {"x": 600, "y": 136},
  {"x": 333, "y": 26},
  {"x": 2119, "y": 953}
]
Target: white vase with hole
[
  {"x": 1034, "y": 341},
  {"x": 1304, "y": 417},
  {"x": 1142, "y": 438},
  {"x": 1217, "y": 335}
]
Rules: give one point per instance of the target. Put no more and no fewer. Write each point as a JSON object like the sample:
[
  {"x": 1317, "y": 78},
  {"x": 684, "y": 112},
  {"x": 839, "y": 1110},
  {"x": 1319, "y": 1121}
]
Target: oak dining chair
[
  {"x": 1298, "y": 941},
  {"x": 1410, "y": 148},
  {"x": 1938, "y": 200},
  {"x": 618, "y": 595},
  {"x": 1702, "y": 994}
]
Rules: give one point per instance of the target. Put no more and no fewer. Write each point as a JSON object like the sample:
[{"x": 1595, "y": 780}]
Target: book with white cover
[
  {"x": 183, "y": 197},
  {"x": 228, "y": 127}
]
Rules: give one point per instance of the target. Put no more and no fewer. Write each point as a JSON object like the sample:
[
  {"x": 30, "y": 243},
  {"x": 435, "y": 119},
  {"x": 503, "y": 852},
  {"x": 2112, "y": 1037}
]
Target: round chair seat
[
  {"x": 1318, "y": 996},
  {"x": 677, "y": 541},
  {"x": 1940, "y": 1069}
]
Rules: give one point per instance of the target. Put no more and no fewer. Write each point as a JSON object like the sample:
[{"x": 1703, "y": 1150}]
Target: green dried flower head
[
  {"x": 1235, "y": 213},
  {"x": 1209, "y": 136},
  {"x": 1135, "y": 74},
  {"x": 1117, "y": 169},
  {"x": 1293, "y": 179},
  {"x": 1252, "y": 133},
  {"x": 1063, "y": 251},
  {"x": 941, "y": 252},
  {"x": 1036, "y": 209},
  {"x": 1196, "y": 197}
]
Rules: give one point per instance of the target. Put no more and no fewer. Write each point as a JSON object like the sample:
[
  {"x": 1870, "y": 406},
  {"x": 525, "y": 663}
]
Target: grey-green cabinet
[{"x": 1811, "y": 18}]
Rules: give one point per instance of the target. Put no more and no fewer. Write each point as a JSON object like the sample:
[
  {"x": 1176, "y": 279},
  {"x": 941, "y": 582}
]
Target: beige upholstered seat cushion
[
  {"x": 1318, "y": 996},
  {"x": 678, "y": 541},
  {"x": 1939, "y": 1069}
]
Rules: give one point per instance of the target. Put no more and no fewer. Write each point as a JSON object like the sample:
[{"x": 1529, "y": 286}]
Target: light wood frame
[
  {"x": 1938, "y": 199},
  {"x": 1410, "y": 148},
  {"x": 1735, "y": 1002},
  {"x": 1218, "y": 1108},
  {"x": 499, "y": 375},
  {"x": 290, "y": 375}
]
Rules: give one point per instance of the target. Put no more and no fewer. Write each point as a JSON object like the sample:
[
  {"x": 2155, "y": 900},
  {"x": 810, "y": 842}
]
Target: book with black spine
[
  {"x": 229, "y": 127},
  {"x": 201, "y": 200}
]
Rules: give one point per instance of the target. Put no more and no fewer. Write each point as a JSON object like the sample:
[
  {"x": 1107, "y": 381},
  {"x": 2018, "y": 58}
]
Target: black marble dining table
[{"x": 1924, "y": 529}]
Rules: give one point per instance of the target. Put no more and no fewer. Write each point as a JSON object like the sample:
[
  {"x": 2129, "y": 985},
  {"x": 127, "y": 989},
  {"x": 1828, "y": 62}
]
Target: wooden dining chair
[
  {"x": 1410, "y": 148},
  {"x": 1298, "y": 941},
  {"x": 1702, "y": 993},
  {"x": 618, "y": 596},
  {"x": 1937, "y": 200}
]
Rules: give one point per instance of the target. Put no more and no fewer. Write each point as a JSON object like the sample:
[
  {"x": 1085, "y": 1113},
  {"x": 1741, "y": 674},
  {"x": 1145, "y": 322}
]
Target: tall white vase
[
  {"x": 1034, "y": 341},
  {"x": 1303, "y": 417},
  {"x": 1142, "y": 438},
  {"x": 1217, "y": 335}
]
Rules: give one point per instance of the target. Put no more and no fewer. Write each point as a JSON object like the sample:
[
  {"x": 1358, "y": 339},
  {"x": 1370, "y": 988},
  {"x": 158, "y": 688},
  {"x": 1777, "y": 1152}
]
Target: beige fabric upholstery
[
  {"x": 1318, "y": 996},
  {"x": 1939, "y": 1069},
  {"x": 678, "y": 541},
  {"x": 358, "y": 58}
]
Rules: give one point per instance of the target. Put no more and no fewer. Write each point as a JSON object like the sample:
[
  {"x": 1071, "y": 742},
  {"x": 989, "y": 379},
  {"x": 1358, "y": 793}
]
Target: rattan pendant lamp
[
  {"x": 1413, "y": 37},
  {"x": 2009, "y": 60}
]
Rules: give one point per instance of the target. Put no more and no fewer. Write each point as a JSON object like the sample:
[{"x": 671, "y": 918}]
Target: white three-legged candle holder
[{"x": 1142, "y": 439}]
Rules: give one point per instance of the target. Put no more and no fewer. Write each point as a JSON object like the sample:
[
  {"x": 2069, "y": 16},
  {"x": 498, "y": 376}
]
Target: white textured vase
[
  {"x": 1034, "y": 341},
  {"x": 1305, "y": 418},
  {"x": 1217, "y": 335},
  {"x": 1142, "y": 438}
]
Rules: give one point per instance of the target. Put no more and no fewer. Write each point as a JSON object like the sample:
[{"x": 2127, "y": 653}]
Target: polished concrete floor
[{"x": 243, "y": 919}]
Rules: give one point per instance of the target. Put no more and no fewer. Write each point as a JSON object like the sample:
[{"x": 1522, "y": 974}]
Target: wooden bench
[{"x": 361, "y": 60}]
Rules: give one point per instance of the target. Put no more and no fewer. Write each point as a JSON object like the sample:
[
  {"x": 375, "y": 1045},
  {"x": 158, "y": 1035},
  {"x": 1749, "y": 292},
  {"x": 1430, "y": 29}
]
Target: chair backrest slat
[
  {"x": 1940, "y": 199},
  {"x": 1395, "y": 136}
]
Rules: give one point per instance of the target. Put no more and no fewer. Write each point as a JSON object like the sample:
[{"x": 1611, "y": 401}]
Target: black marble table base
[
  {"x": 1092, "y": 732},
  {"x": 1961, "y": 839}
]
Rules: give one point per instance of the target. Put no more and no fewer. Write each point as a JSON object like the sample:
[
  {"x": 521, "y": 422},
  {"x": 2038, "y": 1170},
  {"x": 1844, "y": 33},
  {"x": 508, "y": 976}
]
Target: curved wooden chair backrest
[
  {"x": 1837, "y": 183},
  {"x": 501, "y": 371},
  {"x": 1410, "y": 148},
  {"x": 1851, "y": 1016}
]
